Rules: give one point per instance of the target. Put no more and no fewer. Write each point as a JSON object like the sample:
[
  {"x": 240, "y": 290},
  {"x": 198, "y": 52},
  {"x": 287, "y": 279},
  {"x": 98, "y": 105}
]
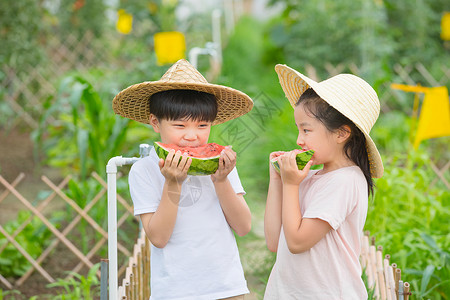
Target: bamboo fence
[
  {"x": 65, "y": 234},
  {"x": 383, "y": 278},
  {"x": 136, "y": 284}
]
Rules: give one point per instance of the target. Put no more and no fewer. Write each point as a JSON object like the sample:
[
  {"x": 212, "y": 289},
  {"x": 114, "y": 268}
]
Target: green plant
[
  {"x": 409, "y": 219},
  {"x": 33, "y": 239},
  {"x": 78, "y": 287}
]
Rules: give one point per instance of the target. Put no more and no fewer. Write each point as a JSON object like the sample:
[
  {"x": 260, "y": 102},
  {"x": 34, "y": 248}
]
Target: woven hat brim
[
  {"x": 294, "y": 84},
  {"x": 133, "y": 102}
]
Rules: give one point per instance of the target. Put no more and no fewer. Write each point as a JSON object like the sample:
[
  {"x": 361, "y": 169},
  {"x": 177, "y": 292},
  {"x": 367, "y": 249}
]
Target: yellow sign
[
  {"x": 445, "y": 27},
  {"x": 124, "y": 23},
  {"x": 434, "y": 119},
  {"x": 169, "y": 47}
]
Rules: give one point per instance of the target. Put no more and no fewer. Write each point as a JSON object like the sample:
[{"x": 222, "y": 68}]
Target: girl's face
[
  {"x": 313, "y": 135},
  {"x": 183, "y": 132}
]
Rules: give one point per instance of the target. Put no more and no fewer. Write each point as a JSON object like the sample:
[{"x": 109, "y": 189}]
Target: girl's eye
[{"x": 306, "y": 130}]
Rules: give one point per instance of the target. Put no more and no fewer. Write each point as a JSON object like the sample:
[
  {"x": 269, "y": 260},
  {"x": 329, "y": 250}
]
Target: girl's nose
[{"x": 300, "y": 141}]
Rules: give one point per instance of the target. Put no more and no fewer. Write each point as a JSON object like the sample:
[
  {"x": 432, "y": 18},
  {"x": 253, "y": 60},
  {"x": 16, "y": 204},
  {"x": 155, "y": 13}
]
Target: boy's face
[{"x": 183, "y": 132}]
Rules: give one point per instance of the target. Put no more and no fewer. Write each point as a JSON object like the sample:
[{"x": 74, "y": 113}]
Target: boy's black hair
[
  {"x": 183, "y": 104},
  {"x": 355, "y": 147}
]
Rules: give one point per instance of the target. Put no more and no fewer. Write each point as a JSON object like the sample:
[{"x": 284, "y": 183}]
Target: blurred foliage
[
  {"x": 20, "y": 30},
  {"x": 78, "y": 287},
  {"x": 371, "y": 34},
  {"x": 79, "y": 16}
]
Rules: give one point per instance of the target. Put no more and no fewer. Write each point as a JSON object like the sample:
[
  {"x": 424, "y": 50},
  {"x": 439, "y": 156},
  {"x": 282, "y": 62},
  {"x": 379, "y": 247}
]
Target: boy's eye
[
  {"x": 203, "y": 125},
  {"x": 306, "y": 130},
  {"x": 179, "y": 125}
]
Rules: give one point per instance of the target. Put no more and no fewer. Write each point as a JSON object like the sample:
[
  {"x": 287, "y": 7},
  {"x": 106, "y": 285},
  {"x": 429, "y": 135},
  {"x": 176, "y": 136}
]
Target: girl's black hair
[
  {"x": 355, "y": 148},
  {"x": 183, "y": 104}
]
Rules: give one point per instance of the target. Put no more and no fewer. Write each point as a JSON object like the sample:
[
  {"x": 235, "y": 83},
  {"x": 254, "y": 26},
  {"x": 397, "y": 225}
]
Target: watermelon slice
[
  {"x": 205, "y": 159},
  {"x": 302, "y": 159}
]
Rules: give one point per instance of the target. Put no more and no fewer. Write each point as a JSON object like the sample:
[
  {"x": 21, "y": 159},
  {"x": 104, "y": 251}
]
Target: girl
[{"x": 314, "y": 218}]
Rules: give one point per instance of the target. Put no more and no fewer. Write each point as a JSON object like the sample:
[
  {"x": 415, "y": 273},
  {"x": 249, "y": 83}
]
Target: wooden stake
[
  {"x": 373, "y": 260},
  {"x": 381, "y": 280},
  {"x": 406, "y": 291}
]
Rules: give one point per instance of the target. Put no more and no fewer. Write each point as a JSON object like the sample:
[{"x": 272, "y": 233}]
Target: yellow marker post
[
  {"x": 169, "y": 47},
  {"x": 445, "y": 27}
]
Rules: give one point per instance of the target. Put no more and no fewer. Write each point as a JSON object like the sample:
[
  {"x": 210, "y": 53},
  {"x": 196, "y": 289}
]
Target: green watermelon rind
[
  {"x": 198, "y": 167},
  {"x": 301, "y": 158}
]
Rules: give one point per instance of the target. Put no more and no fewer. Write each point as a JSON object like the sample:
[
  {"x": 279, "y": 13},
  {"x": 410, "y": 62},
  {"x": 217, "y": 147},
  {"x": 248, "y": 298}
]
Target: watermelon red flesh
[
  {"x": 205, "y": 159},
  {"x": 206, "y": 151}
]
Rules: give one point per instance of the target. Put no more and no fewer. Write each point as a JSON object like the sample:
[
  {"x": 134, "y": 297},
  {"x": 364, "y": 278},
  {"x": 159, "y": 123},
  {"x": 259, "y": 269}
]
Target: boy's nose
[{"x": 190, "y": 136}]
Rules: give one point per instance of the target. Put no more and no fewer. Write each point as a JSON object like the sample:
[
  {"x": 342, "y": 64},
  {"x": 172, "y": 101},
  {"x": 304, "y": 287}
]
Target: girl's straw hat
[
  {"x": 349, "y": 94},
  {"x": 133, "y": 102}
]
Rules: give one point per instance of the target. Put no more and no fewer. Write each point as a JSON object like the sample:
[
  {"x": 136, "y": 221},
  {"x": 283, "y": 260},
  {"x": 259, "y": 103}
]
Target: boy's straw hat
[
  {"x": 133, "y": 103},
  {"x": 349, "y": 94}
]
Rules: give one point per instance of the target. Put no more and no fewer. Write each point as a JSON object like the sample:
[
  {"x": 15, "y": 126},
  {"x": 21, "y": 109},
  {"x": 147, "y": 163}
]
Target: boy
[{"x": 188, "y": 219}]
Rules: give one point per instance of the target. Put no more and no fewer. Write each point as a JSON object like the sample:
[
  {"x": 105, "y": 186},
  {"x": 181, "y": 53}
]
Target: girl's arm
[
  {"x": 301, "y": 234},
  {"x": 234, "y": 207},
  {"x": 272, "y": 214},
  {"x": 159, "y": 225}
]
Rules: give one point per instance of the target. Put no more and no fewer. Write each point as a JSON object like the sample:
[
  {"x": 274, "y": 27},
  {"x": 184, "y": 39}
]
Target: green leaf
[
  {"x": 83, "y": 144},
  {"x": 426, "y": 278}
]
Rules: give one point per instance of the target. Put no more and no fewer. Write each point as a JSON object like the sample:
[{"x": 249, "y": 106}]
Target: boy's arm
[
  {"x": 159, "y": 225},
  {"x": 234, "y": 207}
]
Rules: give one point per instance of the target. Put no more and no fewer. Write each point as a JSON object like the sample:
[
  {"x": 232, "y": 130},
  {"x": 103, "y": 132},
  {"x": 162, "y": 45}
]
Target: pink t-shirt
[{"x": 331, "y": 268}]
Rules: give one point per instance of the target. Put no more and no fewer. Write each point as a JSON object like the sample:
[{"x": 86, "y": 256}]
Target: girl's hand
[
  {"x": 290, "y": 174},
  {"x": 227, "y": 162},
  {"x": 273, "y": 173},
  {"x": 174, "y": 169}
]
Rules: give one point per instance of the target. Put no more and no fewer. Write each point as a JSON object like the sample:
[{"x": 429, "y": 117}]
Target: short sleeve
[
  {"x": 333, "y": 199},
  {"x": 145, "y": 187},
  {"x": 233, "y": 177}
]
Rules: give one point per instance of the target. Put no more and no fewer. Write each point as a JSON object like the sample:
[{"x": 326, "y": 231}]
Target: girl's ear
[
  {"x": 154, "y": 122},
  {"x": 344, "y": 134}
]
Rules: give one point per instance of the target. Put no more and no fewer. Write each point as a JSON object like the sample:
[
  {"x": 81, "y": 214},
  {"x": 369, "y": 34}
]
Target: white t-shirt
[
  {"x": 201, "y": 259},
  {"x": 330, "y": 269}
]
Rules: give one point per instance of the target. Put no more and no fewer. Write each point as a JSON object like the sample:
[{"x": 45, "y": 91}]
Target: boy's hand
[
  {"x": 273, "y": 173},
  {"x": 227, "y": 162},
  {"x": 290, "y": 174},
  {"x": 174, "y": 169}
]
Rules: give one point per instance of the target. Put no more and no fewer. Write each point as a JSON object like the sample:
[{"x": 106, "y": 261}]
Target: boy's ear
[
  {"x": 344, "y": 134},
  {"x": 154, "y": 122}
]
